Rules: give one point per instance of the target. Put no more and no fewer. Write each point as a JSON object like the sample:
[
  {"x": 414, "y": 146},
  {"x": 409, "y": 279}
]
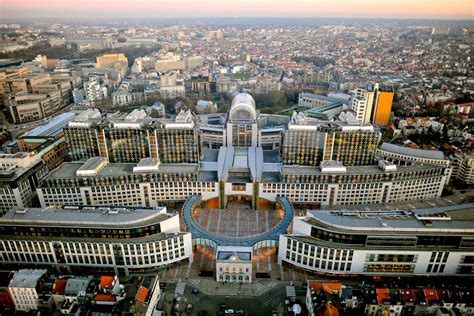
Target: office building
[
  {"x": 373, "y": 104},
  {"x": 466, "y": 170},
  {"x": 193, "y": 62},
  {"x": 149, "y": 160},
  {"x": 30, "y": 97},
  {"x": 382, "y": 105},
  {"x": 173, "y": 63},
  {"x": 46, "y": 142},
  {"x": 107, "y": 237},
  {"x": 437, "y": 242},
  {"x": 234, "y": 264},
  {"x": 308, "y": 142},
  {"x": 362, "y": 104},
  {"x": 215, "y": 34},
  {"x": 81, "y": 136},
  {"x": 310, "y": 100},
  {"x": 20, "y": 175},
  {"x": 132, "y": 137}
]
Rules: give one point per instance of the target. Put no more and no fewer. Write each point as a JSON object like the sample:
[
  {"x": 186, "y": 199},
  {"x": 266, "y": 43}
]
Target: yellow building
[
  {"x": 383, "y": 107},
  {"x": 117, "y": 61}
]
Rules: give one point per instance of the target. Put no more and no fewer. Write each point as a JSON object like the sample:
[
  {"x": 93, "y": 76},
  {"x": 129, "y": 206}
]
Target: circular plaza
[{"x": 237, "y": 224}]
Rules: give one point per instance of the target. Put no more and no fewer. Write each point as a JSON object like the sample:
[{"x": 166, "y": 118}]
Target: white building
[
  {"x": 122, "y": 238},
  {"x": 234, "y": 264},
  {"x": 78, "y": 96},
  {"x": 172, "y": 92},
  {"x": 94, "y": 90},
  {"x": 466, "y": 170},
  {"x": 24, "y": 288},
  {"x": 393, "y": 242},
  {"x": 362, "y": 103},
  {"x": 204, "y": 106}
]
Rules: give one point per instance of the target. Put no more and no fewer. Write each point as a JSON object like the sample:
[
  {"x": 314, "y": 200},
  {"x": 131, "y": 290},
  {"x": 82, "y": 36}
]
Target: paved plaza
[
  {"x": 237, "y": 220},
  {"x": 264, "y": 260}
]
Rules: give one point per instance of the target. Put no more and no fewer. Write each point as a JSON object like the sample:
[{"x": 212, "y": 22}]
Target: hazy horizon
[{"x": 121, "y": 9}]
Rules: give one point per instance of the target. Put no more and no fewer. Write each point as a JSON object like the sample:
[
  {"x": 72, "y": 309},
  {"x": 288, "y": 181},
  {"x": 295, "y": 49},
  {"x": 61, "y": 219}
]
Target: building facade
[
  {"x": 394, "y": 242},
  {"x": 234, "y": 264},
  {"x": 120, "y": 238},
  {"x": 243, "y": 153},
  {"x": 24, "y": 289},
  {"x": 20, "y": 175}
]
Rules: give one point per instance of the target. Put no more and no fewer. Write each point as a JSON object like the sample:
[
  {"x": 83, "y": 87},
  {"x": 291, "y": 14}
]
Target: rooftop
[
  {"x": 26, "y": 278},
  {"x": 351, "y": 170},
  {"x": 451, "y": 219},
  {"x": 76, "y": 285},
  {"x": 52, "y": 127},
  {"x": 407, "y": 151},
  {"x": 85, "y": 216},
  {"x": 234, "y": 252},
  {"x": 68, "y": 170}
]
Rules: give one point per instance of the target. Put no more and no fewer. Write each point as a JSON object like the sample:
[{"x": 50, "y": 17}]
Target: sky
[{"x": 429, "y": 9}]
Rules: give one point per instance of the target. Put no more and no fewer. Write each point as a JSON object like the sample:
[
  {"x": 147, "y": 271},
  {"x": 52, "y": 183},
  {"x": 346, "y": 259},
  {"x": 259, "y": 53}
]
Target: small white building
[
  {"x": 24, "y": 287},
  {"x": 234, "y": 264},
  {"x": 204, "y": 106}
]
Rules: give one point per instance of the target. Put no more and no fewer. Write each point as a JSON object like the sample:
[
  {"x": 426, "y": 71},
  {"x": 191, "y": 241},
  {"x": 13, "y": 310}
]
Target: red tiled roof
[
  {"x": 327, "y": 310},
  {"x": 141, "y": 294},
  {"x": 430, "y": 295},
  {"x": 383, "y": 295},
  {"x": 104, "y": 298},
  {"x": 328, "y": 287},
  {"x": 59, "y": 286},
  {"x": 107, "y": 282},
  {"x": 407, "y": 295}
]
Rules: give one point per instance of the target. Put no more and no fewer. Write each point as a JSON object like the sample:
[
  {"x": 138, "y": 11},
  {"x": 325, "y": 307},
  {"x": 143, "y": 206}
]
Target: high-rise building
[
  {"x": 308, "y": 142},
  {"x": 133, "y": 137},
  {"x": 362, "y": 103},
  {"x": 215, "y": 34},
  {"x": 94, "y": 89},
  {"x": 20, "y": 175},
  {"x": 382, "y": 105},
  {"x": 466, "y": 170},
  {"x": 373, "y": 105}
]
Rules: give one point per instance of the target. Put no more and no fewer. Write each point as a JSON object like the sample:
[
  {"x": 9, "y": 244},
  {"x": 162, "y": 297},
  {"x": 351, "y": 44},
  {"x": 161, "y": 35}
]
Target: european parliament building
[
  {"x": 105, "y": 206},
  {"x": 141, "y": 161}
]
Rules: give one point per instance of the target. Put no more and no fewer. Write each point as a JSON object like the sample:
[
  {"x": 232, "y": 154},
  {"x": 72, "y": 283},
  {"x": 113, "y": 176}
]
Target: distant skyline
[{"x": 427, "y": 9}]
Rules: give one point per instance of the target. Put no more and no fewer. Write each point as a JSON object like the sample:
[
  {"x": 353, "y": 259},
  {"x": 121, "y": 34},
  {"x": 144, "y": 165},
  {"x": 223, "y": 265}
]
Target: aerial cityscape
[{"x": 236, "y": 158}]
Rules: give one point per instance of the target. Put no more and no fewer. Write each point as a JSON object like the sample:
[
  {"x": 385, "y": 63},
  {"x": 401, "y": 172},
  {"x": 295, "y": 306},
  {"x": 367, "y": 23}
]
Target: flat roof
[
  {"x": 52, "y": 127},
  {"x": 92, "y": 163},
  {"x": 351, "y": 170},
  {"x": 88, "y": 216},
  {"x": 451, "y": 219},
  {"x": 68, "y": 170},
  {"x": 26, "y": 278}
]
